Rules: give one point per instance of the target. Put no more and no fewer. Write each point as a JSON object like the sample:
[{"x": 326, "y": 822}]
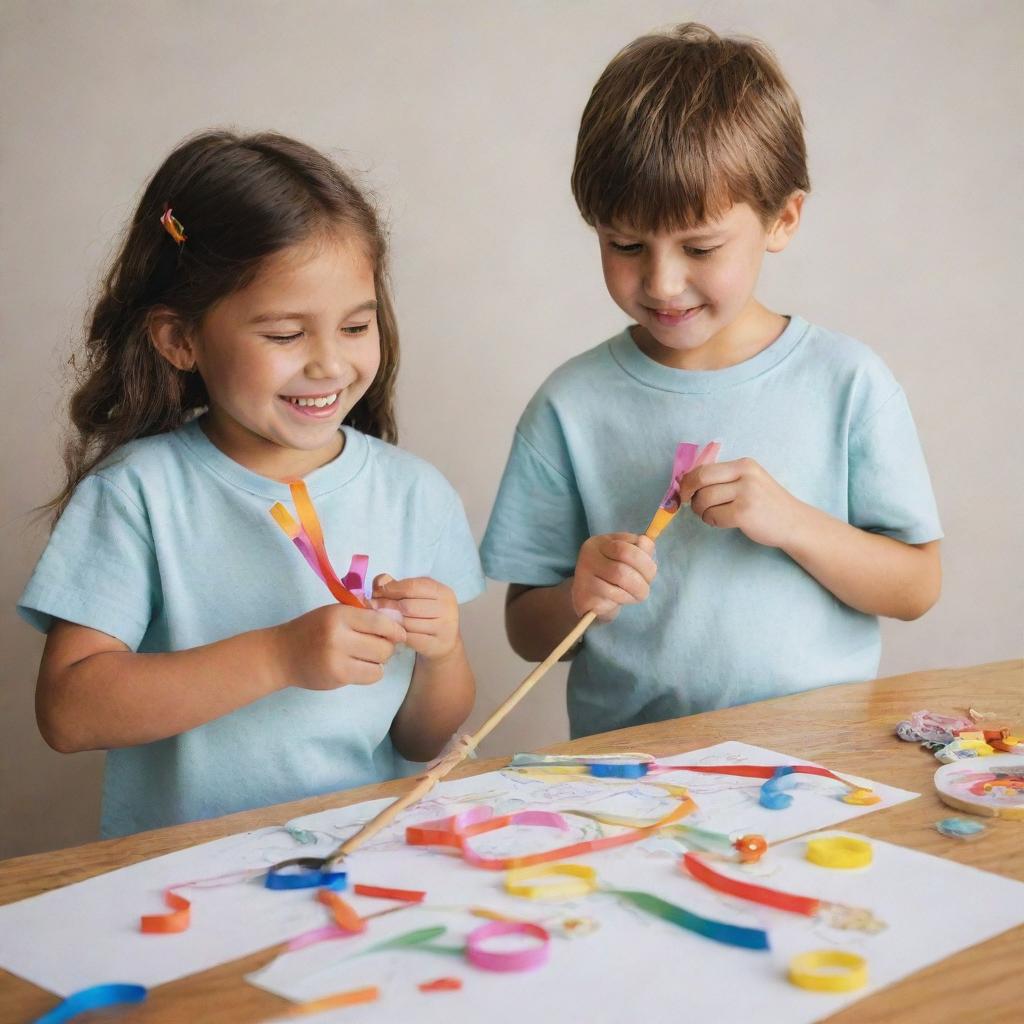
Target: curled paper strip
[
  {"x": 528, "y": 959},
  {"x": 636, "y": 765},
  {"x": 572, "y": 880},
  {"x": 441, "y": 985},
  {"x": 309, "y": 539},
  {"x": 177, "y": 920},
  {"x": 97, "y": 997},
  {"x": 829, "y": 970},
  {"x": 384, "y": 893},
  {"x": 344, "y": 915},
  {"x": 776, "y": 774},
  {"x": 839, "y": 852},
  {"x": 581, "y": 880},
  {"x": 702, "y": 872},
  {"x": 688, "y": 456},
  {"x": 353, "y": 997},
  {"x": 456, "y": 831},
  {"x": 717, "y": 931},
  {"x": 772, "y": 795}
]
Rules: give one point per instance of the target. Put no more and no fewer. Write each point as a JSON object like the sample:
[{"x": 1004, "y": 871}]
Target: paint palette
[{"x": 992, "y": 786}]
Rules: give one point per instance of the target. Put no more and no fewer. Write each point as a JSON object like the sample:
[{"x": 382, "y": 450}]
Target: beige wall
[{"x": 463, "y": 116}]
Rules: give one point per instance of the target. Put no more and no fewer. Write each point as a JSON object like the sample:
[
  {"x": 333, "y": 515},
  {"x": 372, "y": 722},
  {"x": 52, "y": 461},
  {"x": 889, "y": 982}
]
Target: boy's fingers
[
  {"x": 704, "y": 476},
  {"x": 709, "y": 497},
  {"x": 611, "y": 592},
  {"x": 627, "y": 580},
  {"x": 721, "y": 516},
  {"x": 626, "y": 552},
  {"x": 646, "y": 545}
]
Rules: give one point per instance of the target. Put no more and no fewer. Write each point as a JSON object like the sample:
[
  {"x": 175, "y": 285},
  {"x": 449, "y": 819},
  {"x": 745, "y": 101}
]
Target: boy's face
[{"x": 691, "y": 293}]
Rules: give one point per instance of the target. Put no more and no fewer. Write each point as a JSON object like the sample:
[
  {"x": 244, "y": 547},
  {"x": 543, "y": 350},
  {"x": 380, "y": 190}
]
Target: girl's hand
[
  {"x": 741, "y": 494},
  {"x": 337, "y": 645},
  {"x": 430, "y": 613},
  {"x": 612, "y": 569}
]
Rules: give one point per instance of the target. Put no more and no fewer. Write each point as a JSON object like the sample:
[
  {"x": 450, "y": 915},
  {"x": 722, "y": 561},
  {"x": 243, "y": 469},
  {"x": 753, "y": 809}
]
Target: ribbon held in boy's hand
[{"x": 688, "y": 456}]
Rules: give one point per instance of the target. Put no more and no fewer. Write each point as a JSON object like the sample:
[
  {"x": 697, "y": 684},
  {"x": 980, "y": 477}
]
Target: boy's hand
[
  {"x": 741, "y": 494},
  {"x": 613, "y": 569},
  {"x": 337, "y": 645},
  {"x": 430, "y": 613}
]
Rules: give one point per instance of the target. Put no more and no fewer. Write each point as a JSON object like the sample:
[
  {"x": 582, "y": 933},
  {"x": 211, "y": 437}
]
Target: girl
[{"x": 245, "y": 337}]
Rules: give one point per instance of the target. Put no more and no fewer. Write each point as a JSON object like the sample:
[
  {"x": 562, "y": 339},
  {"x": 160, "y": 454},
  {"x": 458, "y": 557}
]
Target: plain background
[{"x": 462, "y": 116}]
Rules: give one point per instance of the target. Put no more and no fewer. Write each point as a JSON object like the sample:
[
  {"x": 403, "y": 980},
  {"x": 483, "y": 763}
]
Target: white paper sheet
[
  {"x": 636, "y": 967},
  {"x": 87, "y": 933}
]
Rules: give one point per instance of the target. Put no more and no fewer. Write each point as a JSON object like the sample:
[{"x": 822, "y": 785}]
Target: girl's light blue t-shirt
[
  {"x": 169, "y": 546},
  {"x": 727, "y": 621}
]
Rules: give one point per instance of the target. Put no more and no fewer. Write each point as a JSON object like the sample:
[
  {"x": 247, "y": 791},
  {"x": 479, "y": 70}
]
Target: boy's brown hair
[{"x": 681, "y": 125}]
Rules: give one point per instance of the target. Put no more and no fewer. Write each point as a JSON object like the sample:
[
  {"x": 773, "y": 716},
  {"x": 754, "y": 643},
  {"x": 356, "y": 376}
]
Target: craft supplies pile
[{"x": 982, "y": 765}]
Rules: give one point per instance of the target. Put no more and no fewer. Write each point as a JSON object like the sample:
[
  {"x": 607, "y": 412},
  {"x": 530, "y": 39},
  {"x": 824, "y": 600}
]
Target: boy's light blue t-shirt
[
  {"x": 727, "y": 621},
  {"x": 170, "y": 546}
]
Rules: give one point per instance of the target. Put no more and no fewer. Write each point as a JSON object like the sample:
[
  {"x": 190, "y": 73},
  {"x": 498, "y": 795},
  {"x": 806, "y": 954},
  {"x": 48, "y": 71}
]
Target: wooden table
[{"x": 847, "y": 728}]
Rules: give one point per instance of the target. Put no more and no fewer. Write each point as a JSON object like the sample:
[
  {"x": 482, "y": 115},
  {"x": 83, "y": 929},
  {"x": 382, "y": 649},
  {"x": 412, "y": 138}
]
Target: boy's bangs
[{"x": 676, "y": 189}]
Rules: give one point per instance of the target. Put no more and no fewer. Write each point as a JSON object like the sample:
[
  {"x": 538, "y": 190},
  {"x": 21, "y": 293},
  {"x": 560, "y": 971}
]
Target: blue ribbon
[
  {"x": 771, "y": 795},
  {"x": 95, "y": 998},
  {"x": 309, "y": 875},
  {"x": 618, "y": 771}
]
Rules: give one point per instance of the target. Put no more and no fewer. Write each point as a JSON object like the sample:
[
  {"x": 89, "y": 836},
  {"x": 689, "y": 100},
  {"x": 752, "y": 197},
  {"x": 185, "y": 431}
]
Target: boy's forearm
[
  {"x": 121, "y": 699},
  {"x": 537, "y": 618},
  {"x": 439, "y": 700},
  {"x": 868, "y": 571}
]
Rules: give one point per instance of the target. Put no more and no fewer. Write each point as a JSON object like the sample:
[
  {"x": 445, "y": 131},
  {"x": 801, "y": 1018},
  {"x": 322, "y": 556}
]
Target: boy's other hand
[
  {"x": 742, "y": 495},
  {"x": 430, "y": 613},
  {"x": 613, "y": 569}
]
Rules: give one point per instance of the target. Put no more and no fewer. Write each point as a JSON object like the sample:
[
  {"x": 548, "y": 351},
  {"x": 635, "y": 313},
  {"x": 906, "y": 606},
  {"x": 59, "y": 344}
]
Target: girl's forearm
[
  {"x": 537, "y": 618},
  {"x": 439, "y": 700},
  {"x": 116, "y": 698},
  {"x": 868, "y": 571}
]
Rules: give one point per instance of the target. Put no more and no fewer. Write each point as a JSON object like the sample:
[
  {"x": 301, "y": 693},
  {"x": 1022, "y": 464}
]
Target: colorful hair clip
[{"x": 173, "y": 226}]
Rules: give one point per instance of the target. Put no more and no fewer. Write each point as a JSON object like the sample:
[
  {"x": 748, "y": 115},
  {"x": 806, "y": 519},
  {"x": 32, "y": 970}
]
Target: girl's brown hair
[
  {"x": 683, "y": 123},
  {"x": 240, "y": 199}
]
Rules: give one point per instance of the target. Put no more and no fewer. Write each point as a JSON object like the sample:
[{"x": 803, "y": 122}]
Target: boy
[{"x": 690, "y": 165}]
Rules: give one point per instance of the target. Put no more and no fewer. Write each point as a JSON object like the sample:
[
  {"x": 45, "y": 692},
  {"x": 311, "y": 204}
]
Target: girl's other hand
[
  {"x": 430, "y": 613},
  {"x": 613, "y": 569},
  {"x": 336, "y": 646}
]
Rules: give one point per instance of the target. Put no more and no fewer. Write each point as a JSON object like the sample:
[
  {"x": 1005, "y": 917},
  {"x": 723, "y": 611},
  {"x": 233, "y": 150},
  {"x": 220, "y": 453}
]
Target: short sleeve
[
  {"x": 98, "y": 569},
  {"x": 537, "y": 525},
  {"x": 456, "y": 561},
  {"x": 890, "y": 491}
]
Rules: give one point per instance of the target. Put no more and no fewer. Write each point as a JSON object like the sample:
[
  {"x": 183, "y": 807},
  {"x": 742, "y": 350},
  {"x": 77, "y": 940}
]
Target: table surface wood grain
[{"x": 847, "y": 727}]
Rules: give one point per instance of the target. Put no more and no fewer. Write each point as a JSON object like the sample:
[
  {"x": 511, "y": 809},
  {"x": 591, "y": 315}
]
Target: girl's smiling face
[{"x": 287, "y": 357}]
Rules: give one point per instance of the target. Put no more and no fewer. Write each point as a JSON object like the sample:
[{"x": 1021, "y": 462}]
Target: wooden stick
[{"x": 456, "y": 756}]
